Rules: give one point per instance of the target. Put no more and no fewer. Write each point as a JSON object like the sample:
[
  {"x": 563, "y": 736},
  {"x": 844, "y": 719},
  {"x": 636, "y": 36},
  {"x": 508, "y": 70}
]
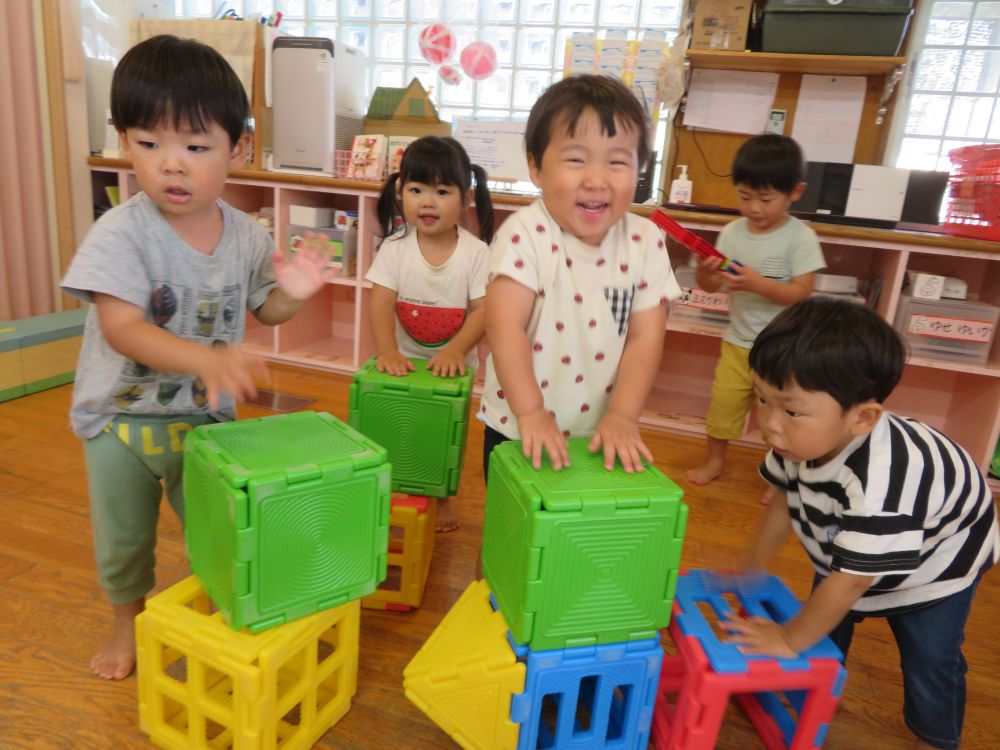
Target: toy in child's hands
[
  {"x": 690, "y": 240},
  {"x": 750, "y": 631},
  {"x": 736, "y": 581}
]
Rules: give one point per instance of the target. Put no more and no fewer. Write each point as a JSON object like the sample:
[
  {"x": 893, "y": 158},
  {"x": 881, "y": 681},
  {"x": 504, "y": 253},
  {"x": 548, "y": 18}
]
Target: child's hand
[
  {"x": 620, "y": 437},
  {"x": 711, "y": 263},
  {"x": 447, "y": 363},
  {"x": 758, "y": 635},
  {"x": 539, "y": 431},
  {"x": 740, "y": 278},
  {"x": 394, "y": 363},
  {"x": 227, "y": 370},
  {"x": 303, "y": 274}
]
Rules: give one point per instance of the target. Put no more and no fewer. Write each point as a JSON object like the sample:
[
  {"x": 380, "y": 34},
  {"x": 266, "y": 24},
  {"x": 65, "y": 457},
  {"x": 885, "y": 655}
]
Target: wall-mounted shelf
[{"x": 773, "y": 62}]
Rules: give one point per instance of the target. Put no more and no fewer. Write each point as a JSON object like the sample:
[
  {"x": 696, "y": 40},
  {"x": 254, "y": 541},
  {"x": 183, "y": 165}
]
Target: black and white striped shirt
[{"x": 904, "y": 505}]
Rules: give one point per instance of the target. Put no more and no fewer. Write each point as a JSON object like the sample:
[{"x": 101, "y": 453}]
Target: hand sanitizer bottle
[
  {"x": 680, "y": 189},
  {"x": 110, "y": 150}
]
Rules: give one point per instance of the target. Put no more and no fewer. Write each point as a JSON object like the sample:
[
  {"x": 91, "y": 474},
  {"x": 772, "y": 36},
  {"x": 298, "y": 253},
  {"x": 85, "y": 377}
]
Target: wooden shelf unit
[
  {"x": 775, "y": 62},
  {"x": 709, "y": 154},
  {"x": 331, "y": 332}
]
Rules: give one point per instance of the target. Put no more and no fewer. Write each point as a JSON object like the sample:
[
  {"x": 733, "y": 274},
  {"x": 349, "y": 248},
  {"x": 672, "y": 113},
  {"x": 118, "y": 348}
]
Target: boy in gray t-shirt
[
  {"x": 778, "y": 258},
  {"x": 170, "y": 274}
]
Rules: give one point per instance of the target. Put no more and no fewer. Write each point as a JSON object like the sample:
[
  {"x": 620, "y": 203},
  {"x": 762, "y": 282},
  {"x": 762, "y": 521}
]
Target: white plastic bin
[{"x": 959, "y": 330}]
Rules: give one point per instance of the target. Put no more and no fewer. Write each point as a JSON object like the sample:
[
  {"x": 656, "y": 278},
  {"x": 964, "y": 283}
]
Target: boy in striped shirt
[{"x": 897, "y": 520}]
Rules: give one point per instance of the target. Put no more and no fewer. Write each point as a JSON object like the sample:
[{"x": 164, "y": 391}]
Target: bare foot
[
  {"x": 116, "y": 658},
  {"x": 705, "y": 473},
  {"x": 446, "y": 518},
  {"x": 765, "y": 499}
]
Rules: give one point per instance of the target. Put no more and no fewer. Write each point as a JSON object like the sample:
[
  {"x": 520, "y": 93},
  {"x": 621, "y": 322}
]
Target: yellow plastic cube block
[
  {"x": 411, "y": 546},
  {"x": 202, "y": 685},
  {"x": 466, "y": 673}
]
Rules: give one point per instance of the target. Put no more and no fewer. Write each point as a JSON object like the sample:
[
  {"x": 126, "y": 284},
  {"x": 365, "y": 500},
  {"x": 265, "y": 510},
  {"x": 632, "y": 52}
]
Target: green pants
[{"x": 125, "y": 467}]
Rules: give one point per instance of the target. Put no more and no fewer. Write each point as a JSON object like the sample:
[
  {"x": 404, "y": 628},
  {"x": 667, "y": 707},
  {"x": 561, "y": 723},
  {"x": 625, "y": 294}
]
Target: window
[
  {"x": 953, "y": 84},
  {"x": 529, "y": 37}
]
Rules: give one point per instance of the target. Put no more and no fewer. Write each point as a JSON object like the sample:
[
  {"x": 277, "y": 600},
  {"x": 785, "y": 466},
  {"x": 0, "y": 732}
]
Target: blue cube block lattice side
[{"x": 611, "y": 687}]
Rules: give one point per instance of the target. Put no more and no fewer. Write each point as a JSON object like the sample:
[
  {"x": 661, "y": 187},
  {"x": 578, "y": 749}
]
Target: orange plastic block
[
  {"x": 202, "y": 685},
  {"x": 411, "y": 546}
]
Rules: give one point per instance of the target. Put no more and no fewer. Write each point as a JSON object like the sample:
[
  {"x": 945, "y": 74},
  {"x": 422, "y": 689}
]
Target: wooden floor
[{"x": 52, "y": 614}]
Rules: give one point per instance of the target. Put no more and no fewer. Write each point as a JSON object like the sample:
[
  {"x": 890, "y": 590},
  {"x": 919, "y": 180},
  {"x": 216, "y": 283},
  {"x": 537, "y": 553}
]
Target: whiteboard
[{"x": 495, "y": 145}]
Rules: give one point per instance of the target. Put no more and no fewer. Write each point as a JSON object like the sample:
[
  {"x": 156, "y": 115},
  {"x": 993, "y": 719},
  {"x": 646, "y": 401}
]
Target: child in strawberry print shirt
[
  {"x": 576, "y": 304},
  {"x": 429, "y": 280}
]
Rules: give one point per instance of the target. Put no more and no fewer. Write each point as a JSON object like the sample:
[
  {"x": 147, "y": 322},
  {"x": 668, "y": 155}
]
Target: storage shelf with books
[{"x": 332, "y": 331}]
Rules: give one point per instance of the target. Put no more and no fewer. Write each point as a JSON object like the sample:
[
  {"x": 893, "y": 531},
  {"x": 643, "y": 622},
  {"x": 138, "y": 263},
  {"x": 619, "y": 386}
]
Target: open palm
[{"x": 303, "y": 273}]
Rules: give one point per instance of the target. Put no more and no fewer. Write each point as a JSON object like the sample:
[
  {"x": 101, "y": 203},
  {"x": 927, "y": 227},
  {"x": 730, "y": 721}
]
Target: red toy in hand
[{"x": 690, "y": 240}]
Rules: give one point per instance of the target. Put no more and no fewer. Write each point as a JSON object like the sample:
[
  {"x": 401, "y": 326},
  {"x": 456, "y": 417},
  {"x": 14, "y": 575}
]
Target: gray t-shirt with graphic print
[{"x": 132, "y": 253}]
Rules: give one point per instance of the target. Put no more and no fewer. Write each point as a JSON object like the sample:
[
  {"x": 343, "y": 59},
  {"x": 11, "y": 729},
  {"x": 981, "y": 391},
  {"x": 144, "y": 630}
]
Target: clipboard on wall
[{"x": 495, "y": 145}]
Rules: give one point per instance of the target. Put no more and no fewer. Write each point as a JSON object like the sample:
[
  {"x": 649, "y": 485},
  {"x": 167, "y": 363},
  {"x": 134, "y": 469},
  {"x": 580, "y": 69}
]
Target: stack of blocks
[
  {"x": 203, "y": 686},
  {"x": 580, "y": 568},
  {"x": 39, "y": 352},
  {"x": 697, "y": 682},
  {"x": 411, "y": 546},
  {"x": 422, "y": 422},
  {"x": 287, "y": 524}
]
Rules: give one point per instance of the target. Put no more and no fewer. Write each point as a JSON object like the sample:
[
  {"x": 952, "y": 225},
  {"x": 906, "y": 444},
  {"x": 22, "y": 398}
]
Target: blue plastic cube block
[
  {"x": 587, "y": 698},
  {"x": 768, "y": 598}
]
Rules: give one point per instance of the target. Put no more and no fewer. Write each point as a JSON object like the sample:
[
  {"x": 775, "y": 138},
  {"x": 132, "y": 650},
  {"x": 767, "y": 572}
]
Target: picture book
[
  {"x": 397, "y": 145},
  {"x": 367, "y": 158}
]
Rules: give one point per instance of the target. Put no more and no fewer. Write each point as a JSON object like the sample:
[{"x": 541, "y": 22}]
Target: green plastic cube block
[
  {"x": 285, "y": 516},
  {"x": 421, "y": 420},
  {"x": 582, "y": 556}
]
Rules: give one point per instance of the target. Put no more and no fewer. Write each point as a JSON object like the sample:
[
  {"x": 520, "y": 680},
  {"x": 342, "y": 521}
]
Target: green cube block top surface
[
  {"x": 420, "y": 419},
  {"x": 285, "y": 515},
  {"x": 582, "y": 556}
]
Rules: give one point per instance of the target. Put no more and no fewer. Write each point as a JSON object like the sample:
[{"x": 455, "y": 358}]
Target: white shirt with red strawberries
[
  {"x": 578, "y": 326},
  {"x": 431, "y": 301}
]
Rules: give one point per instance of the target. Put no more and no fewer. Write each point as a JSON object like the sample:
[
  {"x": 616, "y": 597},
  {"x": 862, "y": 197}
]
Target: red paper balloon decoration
[
  {"x": 437, "y": 42},
  {"x": 479, "y": 60},
  {"x": 450, "y": 75}
]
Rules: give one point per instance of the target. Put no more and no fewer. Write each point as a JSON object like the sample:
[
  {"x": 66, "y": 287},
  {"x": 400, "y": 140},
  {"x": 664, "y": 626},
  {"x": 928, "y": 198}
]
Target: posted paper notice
[{"x": 828, "y": 116}]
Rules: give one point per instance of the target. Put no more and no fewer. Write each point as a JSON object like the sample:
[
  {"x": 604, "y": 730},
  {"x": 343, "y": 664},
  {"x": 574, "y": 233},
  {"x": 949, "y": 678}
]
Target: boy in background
[
  {"x": 778, "y": 257},
  {"x": 170, "y": 274},
  {"x": 896, "y": 519}
]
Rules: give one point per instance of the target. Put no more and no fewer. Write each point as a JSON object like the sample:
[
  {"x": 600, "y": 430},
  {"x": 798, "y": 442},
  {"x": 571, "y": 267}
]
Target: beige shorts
[{"x": 732, "y": 393}]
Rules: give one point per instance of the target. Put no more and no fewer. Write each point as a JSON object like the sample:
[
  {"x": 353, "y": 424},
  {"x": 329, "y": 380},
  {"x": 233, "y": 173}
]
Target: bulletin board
[
  {"x": 709, "y": 154},
  {"x": 495, "y": 145}
]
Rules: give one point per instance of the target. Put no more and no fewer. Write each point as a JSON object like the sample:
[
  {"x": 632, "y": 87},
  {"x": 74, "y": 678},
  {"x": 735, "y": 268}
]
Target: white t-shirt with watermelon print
[
  {"x": 585, "y": 297},
  {"x": 431, "y": 301}
]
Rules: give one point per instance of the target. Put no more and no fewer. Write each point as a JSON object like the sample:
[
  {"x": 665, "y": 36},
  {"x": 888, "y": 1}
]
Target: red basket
[{"x": 974, "y": 192}]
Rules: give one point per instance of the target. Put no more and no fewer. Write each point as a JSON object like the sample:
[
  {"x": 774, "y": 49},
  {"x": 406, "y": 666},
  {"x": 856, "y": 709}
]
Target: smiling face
[
  {"x": 433, "y": 210},
  {"x": 587, "y": 178},
  {"x": 802, "y": 425},
  {"x": 182, "y": 171}
]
